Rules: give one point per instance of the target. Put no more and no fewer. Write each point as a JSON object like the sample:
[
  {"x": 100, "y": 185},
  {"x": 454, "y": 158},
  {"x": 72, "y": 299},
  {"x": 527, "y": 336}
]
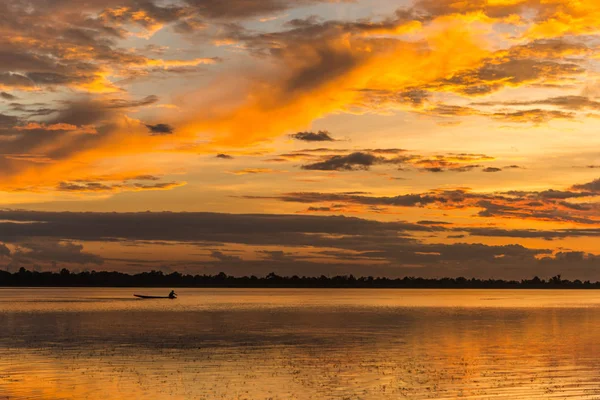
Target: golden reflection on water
[{"x": 299, "y": 344}]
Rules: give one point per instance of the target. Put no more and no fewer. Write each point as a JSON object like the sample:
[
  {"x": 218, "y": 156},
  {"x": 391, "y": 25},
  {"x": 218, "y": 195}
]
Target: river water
[{"x": 299, "y": 344}]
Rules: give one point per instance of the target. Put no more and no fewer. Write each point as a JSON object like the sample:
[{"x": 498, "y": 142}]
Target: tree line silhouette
[{"x": 65, "y": 278}]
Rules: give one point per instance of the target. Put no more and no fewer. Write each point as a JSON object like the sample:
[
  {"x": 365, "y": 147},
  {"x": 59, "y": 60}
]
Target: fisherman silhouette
[{"x": 172, "y": 295}]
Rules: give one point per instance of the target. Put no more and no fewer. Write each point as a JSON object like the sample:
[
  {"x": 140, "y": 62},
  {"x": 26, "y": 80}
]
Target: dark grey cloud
[
  {"x": 11, "y": 59},
  {"x": 346, "y": 160},
  {"x": 551, "y": 48},
  {"x": 276, "y": 255},
  {"x": 323, "y": 150},
  {"x": 53, "y": 78},
  {"x": 458, "y": 252},
  {"x": 385, "y": 151},
  {"x": 448, "y": 110},
  {"x": 550, "y": 194},
  {"x": 593, "y": 186},
  {"x": 465, "y": 168},
  {"x": 548, "y": 205},
  {"x": 329, "y": 64},
  {"x": 535, "y": 116},
  {"x": 573, "y": 257},
  {"x": 27, "y": 65},
  {"x": 324, "y": 153},
  {"x": 573, "y": 206},
  {"x": 7, "y": 96},
  {"x": 374, "y": 239},
  {"x": 494, "y": 75},
  {"x": 146, "y": 178},
  {"x": 245, "y": 9},
  {"x": 73, "y": 42},
  {"x": 190, "y": 25},
  {"x": 122, "y": 103},
  {"x": 8, "y": 121},
  {"x": 155, "y": 12},
  {"x": 321, "y": 209},
  {"x": 89, "y": 110},
  {"x": 548, "y": 211},
  {"x": 386, "y": 247},
  {"x": 155, "y": 186},
  {"x": 320, "y": 136},
  {"x": 375, "y": 98},
  {"x": 350, "y": 162},
  {"x": 219, "y": 255},
  {"x": 32, "y": 110},
  {"x": 160, "y": 129},
  {"x": 224, "y": 156},
  {"x": 186, "y": 226},
  {"x": 100, "y": 187},
  {"x": 492, "y": 169},
  {"x": 427, "y": 9},
  {"x": 84, "y": 187},
  {"x": 565, "y": 102},
  {"x": 4, "y": 250},
  {"x": 53, "y": 250},
  {"x": 15, "y": 79},
  {"x": 531, "y": 233},
  {"x": 407, "y": 200},
  {"x": 94, "y": 114},
  {"x": 434, "y": 169}
]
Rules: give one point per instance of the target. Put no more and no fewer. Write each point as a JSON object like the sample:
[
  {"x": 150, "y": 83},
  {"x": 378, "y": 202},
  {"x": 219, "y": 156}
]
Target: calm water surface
[{"x": 299, "y": 344}]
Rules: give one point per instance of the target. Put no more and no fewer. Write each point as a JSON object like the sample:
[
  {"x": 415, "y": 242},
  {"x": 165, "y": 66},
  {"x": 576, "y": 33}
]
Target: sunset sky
[{"x": 368, "y": 137}]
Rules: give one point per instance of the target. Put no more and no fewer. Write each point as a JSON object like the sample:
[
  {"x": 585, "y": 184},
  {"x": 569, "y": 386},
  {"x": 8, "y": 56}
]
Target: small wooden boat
[{"x": 141, "y": 296}]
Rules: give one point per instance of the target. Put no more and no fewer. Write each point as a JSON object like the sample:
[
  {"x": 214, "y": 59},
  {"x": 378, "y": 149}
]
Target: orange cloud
[
  {"x": 309, "y": 71},
  {"x": 315, "y": 78},
  {"x": 86, "y": 129}
]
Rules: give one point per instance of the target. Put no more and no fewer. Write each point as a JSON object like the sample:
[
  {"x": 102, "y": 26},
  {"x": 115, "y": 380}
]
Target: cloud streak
[
  {"x": 42, "y": 237},
  {"x": 321, "y": 136}
]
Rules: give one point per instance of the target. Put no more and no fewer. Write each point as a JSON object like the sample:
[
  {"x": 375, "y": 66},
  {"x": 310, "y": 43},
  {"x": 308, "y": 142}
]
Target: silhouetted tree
[{"x": 175, "y": 279}]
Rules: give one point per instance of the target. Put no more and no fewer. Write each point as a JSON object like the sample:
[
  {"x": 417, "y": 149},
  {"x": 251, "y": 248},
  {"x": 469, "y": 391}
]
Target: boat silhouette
[{"x": 171, "y": 296}]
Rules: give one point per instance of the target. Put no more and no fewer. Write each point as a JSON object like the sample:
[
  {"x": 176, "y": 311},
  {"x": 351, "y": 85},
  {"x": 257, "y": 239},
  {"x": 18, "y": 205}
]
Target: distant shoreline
[
  {"x": 2, "y": 287},
  {"x": 157, "y": 279}
]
